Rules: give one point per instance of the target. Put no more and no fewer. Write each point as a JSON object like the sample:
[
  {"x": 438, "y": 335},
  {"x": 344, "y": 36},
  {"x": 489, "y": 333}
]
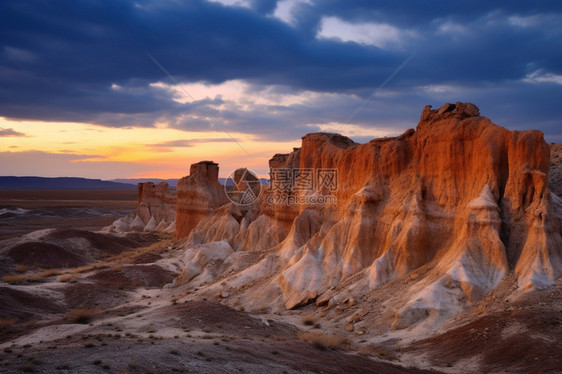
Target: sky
[{"x": 136, "y": 89}]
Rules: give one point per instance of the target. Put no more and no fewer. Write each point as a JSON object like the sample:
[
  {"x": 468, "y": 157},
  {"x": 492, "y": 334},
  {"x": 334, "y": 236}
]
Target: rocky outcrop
[
  {"x": 463, "y": 199},
  {"x": 199, "y": 194},
  {"x": 156, "y": 210},
  {"x": 555, "y": 170}
]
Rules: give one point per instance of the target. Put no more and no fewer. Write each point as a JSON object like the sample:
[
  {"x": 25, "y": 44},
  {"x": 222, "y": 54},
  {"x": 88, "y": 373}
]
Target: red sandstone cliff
[
  {"x": 199, "y": 195},
  {"x": 460, "y": 197}
]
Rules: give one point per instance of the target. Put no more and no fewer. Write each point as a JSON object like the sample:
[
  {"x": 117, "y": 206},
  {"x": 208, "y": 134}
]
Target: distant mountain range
[
  {"x": 135, "y": 181},
  {"x": 70, "y": 183},
  {"x": 40, "y": 183},
  {"x": 171, "y": 182}
]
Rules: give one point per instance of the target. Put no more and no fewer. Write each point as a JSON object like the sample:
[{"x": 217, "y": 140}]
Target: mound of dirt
[
  {"x": 107, "y": 244},
  {"x": 44, "y": 255},
  {"x": 133, "y": 276},
  {"x": 22, "y": 306},
  {"x": 198, "y": 314},
  {"x": 146, "y": 258},
  {"x": 525, "y": 336},
  {"x": 86, "y": 295}
]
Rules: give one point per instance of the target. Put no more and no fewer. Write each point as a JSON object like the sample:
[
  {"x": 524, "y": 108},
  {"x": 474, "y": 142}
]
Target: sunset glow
[{"x": 146, "y": 88}]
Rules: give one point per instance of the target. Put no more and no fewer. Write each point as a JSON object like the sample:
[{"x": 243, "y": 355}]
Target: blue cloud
[{"x": 59, "y": 60}]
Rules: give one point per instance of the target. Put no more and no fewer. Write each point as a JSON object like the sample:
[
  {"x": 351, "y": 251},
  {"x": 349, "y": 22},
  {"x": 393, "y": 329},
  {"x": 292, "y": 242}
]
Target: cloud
[
  {"x": 18, "y": 55},
  {"x": 184, "y": 143},
  {"x": 287, "y": 10},
  {"x": 539, "y": 77},
  {"x": 377, "y": 34},
  {"x": 10, "y": 132},
  {"x": 87, "y": 62}
]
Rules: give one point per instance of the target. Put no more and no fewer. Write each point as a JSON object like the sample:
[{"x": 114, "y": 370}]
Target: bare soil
[
  {"x": 72, "y": 209},
  {"x": 113, "y": 308},
  {"x": 46, "y": 255},
  {"x": 524, "y": 336}
]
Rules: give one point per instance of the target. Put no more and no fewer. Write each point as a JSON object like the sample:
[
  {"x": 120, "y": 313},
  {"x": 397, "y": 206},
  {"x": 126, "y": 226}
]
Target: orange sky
[
  {"x": 128, "y": 152},
  {"x": 159, "y": 150}
]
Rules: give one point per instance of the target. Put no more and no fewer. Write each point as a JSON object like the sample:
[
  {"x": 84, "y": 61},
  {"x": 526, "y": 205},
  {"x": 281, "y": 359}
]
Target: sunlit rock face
[
  {"x": 463, "y": 198},
  {"x": 199, "y": 194}
]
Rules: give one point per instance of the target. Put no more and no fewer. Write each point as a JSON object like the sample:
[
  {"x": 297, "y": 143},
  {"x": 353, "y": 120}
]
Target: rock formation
[
  {"x": 460, "y": 197},
  {"x": 199, "y": 195},
  {"x": 156, "y": 210},
  {"x": 555, "y": 171}
]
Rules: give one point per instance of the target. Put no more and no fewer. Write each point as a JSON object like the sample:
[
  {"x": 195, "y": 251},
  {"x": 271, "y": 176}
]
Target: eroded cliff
[{"x": 452, "y": 207}]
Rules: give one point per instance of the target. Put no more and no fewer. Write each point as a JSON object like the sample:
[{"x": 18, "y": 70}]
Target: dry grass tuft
[
  {"x": 82, "y": 315},
  {"x": 380, "y": 351},
  {"x": 83, "y": 269},
  {"x": 67, "y": 278},
  {"x": 308, "y": 319},
  {"x": 21, "y": 268},
  {"x": 322, "y": 341},
  {"x": 47, "y": 273},
  {"x": 7, "y": 322},
  {"x": 13, "y": 279}
]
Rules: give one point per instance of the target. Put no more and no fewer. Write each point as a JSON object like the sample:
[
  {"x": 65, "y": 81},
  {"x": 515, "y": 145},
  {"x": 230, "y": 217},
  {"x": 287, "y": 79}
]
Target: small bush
[
  {"x": 48, "y": 273},
  {"x": 380, "y": 351},
  {"x": 82, "y": 315},
  {"x": 308, "y": 320},
  {"x": 14, "y": 279},
  {"x": 21, "y": 268},
  {"x": 4, "y": 322},
  {"x": 67, "y": 278},
  {"x": 322, "y": 341}
]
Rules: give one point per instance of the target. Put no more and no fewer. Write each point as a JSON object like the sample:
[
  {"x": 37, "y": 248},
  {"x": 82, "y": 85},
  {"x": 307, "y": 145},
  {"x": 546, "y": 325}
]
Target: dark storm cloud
[
  {"x": 409, "y": 13},
  {"x": 86, "y": 61}
]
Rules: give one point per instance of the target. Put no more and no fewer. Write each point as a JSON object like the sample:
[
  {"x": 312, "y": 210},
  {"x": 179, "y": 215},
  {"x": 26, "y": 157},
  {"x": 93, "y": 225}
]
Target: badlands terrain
[{"x": 439, "y": 250}]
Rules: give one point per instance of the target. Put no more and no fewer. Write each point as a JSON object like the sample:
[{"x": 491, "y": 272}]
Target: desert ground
[
  {"x": 28, "y": 210},
  {"x": 77, "y": 300},
  {"x": 74, "y": 300}
]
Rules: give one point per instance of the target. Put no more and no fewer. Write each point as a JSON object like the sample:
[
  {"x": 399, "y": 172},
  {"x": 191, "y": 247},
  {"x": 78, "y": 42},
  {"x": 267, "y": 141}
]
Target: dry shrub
[
  {"x": 117, "y": 268},
  {"x": 308, "y": 319},
  {"x": 322, "y": 341},
  {"x": 379, "y": 351},
  {"x": 47, "y": 273},
  {"x": 21, "y": 268},
  {"x": 7, "y": 322},
  {"x": 83, "y": 269},
  {"x": 13, "y": 279},
  {"x": 67, "y": 278},
  {"x": 82, "y": 315}
]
